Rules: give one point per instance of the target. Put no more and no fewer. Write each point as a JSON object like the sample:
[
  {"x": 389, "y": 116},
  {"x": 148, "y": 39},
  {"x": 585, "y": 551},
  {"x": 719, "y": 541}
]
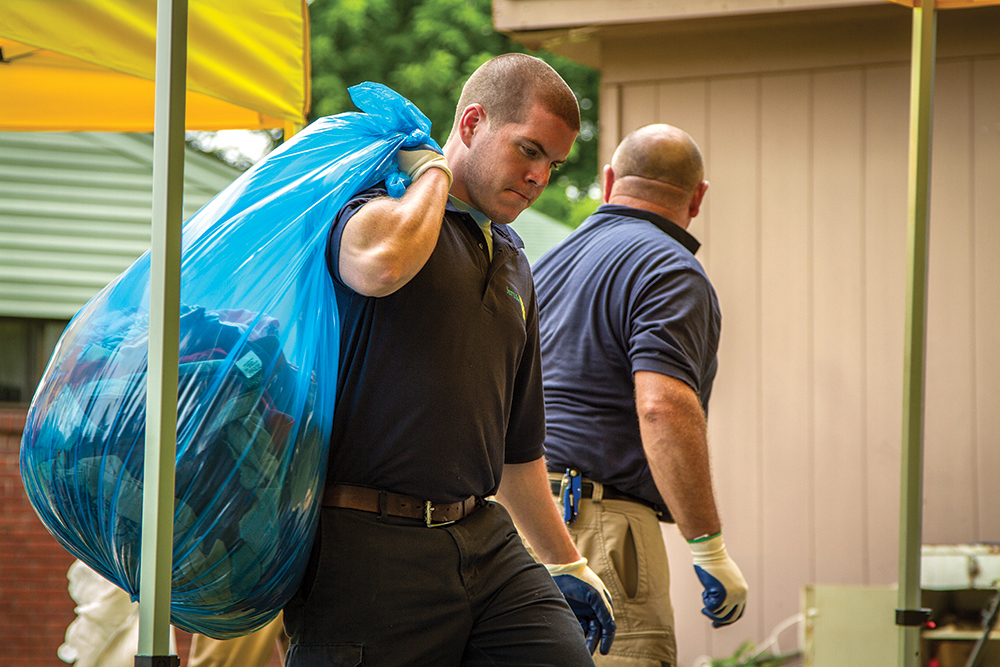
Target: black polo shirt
[
  {"x": 622, "y": 293},
  {"x": 439, "y": 383}
]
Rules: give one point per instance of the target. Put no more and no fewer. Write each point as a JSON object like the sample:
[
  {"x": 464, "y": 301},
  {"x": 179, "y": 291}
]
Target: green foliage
[
  {"x": 557, "y": 204},
  {"x": 743, "y": 657},
  {"x": 425, "y": 50}
]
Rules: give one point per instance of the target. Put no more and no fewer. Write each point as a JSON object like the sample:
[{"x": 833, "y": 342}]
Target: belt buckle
[{"x": 428, "y": 520}]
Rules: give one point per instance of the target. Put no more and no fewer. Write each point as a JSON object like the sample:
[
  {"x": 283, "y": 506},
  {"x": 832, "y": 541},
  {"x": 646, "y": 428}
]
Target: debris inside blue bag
[{"x": 257, "y": 378}]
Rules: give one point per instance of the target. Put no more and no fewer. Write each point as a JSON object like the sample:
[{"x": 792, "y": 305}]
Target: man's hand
[
  {"x": 526, "y": 493},
  {"x": 416, "y": 161},
  {"x": 589, "y": 600},
  {"x": 725, "y": 591}
]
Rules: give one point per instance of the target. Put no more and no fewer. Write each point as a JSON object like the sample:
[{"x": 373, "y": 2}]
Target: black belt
[
  {"x": 396, "y": 504},
  {"x": 611, "y": 493}
]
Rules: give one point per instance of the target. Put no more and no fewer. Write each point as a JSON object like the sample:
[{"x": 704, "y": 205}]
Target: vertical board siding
[
  {"x": 886, "y": 150},
  {"x": 638, "y": 106},
  {"x": 804, "y": 231},
  {"x": 786, "y": 341},
  {"x": 986, "y": 257},
  {"x": 838, "y": 327},
  {"x": 609, "y": 123},
  {"x": 685, "y": 105},
  {"x": 949, "y": 461},
  {"x": 733, "y": 167}
]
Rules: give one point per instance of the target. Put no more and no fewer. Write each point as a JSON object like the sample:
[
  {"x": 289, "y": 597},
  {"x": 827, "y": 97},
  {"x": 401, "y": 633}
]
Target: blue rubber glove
[
  {"x": 415, "y": 161},
  {"x": 725, "y": 592},
  {"x": 589, "y": 600}
]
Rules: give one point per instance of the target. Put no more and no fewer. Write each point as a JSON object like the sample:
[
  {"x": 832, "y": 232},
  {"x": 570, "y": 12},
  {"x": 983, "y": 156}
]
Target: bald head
[
  {"x": 661, "y": 153},
  {"x": 659, "y": 168}
]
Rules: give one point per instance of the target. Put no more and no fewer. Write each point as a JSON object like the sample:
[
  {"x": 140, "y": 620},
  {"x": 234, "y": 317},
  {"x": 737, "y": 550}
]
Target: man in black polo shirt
[
  {"x": 629, "y": 333},
  {"x": 439, "y": 393}
]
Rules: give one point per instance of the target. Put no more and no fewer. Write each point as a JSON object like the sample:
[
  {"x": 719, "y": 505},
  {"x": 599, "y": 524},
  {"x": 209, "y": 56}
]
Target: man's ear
[
  {"x": 699, "y": 194},
  {"x": 472, "y": 120},
  {"x": 607, "y": 182}
]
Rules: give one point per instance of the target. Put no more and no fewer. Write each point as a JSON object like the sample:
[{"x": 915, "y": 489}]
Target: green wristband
[{"x": 704, "y": 538}]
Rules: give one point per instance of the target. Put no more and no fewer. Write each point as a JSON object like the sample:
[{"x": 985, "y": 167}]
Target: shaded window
[{"x": 26, "y": 344}]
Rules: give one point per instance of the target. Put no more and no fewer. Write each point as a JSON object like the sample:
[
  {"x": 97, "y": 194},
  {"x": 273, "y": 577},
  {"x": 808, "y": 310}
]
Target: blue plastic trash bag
[{"x": 259, "y": 339}]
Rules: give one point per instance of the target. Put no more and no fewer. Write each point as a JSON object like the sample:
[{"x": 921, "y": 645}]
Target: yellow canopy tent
[
  {"x": 88, "y": 65},
  {"x": 128, "y": 65}
]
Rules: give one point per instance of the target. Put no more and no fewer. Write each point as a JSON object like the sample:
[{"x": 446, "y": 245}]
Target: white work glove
[
  {"x": 415, "y": 161},
  {"x": 725, "y": 592},
  {"x": 589, "y": 600}
]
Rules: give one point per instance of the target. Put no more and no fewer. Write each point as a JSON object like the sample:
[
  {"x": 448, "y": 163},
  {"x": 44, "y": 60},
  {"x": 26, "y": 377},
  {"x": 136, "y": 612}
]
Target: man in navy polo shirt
[
  {"x": 439, "y": 406},
  {"x": 629, "y": 332}
]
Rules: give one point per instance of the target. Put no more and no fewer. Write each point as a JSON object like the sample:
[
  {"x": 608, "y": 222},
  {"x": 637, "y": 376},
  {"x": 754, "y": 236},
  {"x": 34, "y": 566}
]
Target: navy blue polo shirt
[
  {"x": 439, "y": 382},
  {"x": 623, "y": 293}
]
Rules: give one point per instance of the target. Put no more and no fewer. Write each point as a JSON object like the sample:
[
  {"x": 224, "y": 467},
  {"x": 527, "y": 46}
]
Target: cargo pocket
[{"x": 623, "y": 554}]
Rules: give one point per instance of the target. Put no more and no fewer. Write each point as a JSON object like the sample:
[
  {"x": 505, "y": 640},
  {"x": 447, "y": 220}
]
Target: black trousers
[{"x": 393, "y": 592}]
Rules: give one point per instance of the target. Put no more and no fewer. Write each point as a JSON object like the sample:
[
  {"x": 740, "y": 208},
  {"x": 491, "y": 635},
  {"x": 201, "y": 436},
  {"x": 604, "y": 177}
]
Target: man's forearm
[
  {"x": 389, "y": 240},
  {"x": 525, "y": 492},
  {"x": 674, "y": 436}
]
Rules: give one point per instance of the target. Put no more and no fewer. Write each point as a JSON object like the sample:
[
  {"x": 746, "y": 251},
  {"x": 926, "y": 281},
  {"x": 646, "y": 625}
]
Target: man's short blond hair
[{"x": 506, "y": 86}]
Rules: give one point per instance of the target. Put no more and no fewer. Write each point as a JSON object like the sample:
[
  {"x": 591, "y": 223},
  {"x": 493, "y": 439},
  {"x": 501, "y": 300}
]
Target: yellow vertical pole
[
  {"x": 909, "y": 615},
  {"x": 164, "y": 315}
]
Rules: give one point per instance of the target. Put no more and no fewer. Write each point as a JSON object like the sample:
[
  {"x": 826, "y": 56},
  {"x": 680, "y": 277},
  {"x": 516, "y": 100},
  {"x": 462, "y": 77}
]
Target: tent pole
[
  {"x": 909, "y": 615},
  {"x": 164, "y": 315}
]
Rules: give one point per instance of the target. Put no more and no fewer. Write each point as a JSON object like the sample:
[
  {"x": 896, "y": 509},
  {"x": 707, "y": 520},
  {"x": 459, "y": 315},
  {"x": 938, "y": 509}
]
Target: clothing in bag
[{"x": 259, "y": 338}]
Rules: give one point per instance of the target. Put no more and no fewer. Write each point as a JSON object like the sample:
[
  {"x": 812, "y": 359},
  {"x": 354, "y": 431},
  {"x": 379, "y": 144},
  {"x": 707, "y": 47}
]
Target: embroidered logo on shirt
[{"x": 517, "y": 296}]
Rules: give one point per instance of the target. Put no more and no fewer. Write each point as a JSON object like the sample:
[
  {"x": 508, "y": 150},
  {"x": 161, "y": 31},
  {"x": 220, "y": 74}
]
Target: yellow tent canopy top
[{"x": 89, "y": 65}]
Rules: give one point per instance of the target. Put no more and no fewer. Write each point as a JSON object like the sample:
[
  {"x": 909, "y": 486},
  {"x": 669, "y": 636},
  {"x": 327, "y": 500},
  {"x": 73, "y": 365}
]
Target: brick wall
[{"x": 35, "y": 606}]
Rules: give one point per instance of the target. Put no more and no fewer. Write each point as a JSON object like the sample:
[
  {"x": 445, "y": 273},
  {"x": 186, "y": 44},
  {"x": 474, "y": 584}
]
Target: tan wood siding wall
[{"x": 805, "y": 239}]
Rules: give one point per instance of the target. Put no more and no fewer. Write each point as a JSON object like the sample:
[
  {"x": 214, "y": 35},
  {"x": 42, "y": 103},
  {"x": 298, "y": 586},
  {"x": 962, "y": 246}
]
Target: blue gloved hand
[
  {"x": 725, "y": 593},
  {"x": 589, "y": 600},
  {"x": 415, "y": 161}
]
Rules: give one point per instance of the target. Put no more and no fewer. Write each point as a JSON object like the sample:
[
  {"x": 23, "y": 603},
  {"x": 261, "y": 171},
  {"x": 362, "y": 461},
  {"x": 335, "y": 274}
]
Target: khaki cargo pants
[{"x": 622, "y": 543}]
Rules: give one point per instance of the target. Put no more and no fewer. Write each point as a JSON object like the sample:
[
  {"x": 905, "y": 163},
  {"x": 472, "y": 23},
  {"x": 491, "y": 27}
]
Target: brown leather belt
[{"x": 396, "y": 504}]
